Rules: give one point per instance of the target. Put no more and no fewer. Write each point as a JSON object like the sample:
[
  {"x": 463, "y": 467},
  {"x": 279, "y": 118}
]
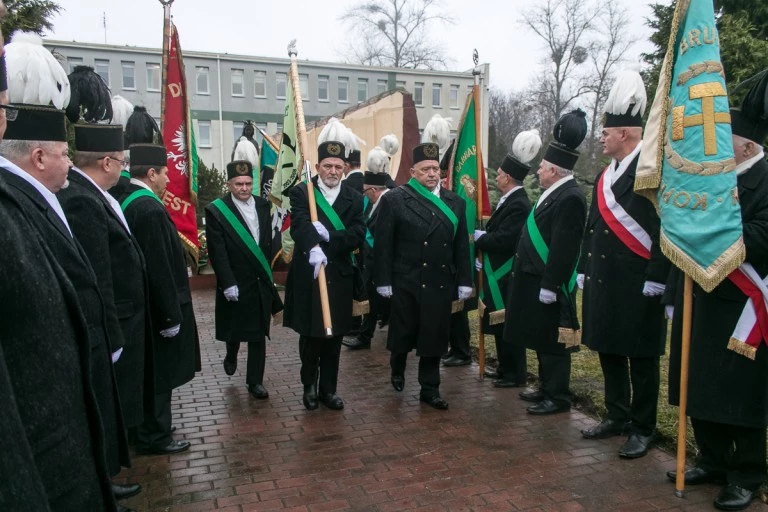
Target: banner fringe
[
  {"x": 716, "y": 273},
  {"x": 497, "y": 317},
  {"x": 742, "y": 348}
]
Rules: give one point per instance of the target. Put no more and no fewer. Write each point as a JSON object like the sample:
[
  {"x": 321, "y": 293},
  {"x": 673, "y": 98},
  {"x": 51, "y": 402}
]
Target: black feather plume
[
  {"x": 571, "y": 129},
  {"x": 755, "y": 103},
  {"x": 90, "y": 96},
  {"x": 141, "y": 128}
]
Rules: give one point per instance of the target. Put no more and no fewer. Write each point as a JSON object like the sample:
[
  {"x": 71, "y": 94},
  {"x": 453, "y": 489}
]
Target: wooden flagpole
[
  {"x": 479, "y": 211},
  {"x": 166, "y": 49},
  {"x": 682, "y": 421},
  {"x": 302, "y": 142}
]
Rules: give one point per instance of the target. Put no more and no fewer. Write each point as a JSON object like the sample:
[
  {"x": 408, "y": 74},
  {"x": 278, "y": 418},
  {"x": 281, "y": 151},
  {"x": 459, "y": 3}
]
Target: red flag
[{"x": 179, "y": 197}]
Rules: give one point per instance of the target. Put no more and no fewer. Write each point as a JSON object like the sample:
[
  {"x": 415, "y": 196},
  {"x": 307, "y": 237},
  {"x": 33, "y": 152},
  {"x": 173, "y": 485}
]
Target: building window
[
  {"x": 237, "y": 130},
  {"x": 322, "y": 88},
  {"x": 73, "y": 62},
  {"x": 260, "y": 84},
  {"x": 343, "y": 89},
  {"x": 237, "y": 82},
  {"x": 400, "y": 83},
  {"x": 304, "y": 86},
  {"x": 418, "y": 94},
  {"x": 381, "y": 86},
  {"x": 129, "y": 75},
  {"x": 437, "y": 90},
  {"x": 153, "y": 77},
  {"x": 201, "y": 77},
  {"x": 362, "y": 89},
  {"x": 204, "y": 134},
  {"x": 280, "y": 84},
  {"x": 102, "y": 68},
  {"x": 454, "y": 96}
]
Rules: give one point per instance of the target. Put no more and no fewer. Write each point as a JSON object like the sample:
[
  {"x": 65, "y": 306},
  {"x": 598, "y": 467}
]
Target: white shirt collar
[
  {"x": 617, "y": 169},
  {"x": 747, "y": 164},
  {"x": 249, "y": 203},
  {"x": 248, "y": 210},
  {"x": 436, "y": 191},
  {"x": 505, "y": 196},
  {"x": 377, "y": 203},
  {"x": 141, "y": 184},
  {"x": 330, "y": 194},
  {"x": 355, "y": 171},
  {"x": 111, "y": 200},
  {"x": 49, "y": 196},
  {"x": 554, "y": 187}
]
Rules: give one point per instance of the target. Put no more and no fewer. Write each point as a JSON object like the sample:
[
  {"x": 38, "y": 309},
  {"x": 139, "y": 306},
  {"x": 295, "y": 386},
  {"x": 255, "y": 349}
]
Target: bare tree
[{"x": 396, "y": 33}]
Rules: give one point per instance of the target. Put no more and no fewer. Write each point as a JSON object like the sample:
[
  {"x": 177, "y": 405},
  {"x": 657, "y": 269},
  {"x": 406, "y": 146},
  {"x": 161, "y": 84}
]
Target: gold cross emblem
[{"x": 708, "y": 119}]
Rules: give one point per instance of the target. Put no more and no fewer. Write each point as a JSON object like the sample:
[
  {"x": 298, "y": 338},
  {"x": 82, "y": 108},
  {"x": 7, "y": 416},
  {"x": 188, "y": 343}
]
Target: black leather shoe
[
  {"x": 230, "y": 366},
  {"x": 698, "y": 476},
  {"x": 457, "y": 361},
  {"x": 636, "y": 446},
  {"x": 122, "y": 492},
  {"x": 547, "y": 406},
  {"x": 258, "y": 391},
  {"x": 357, "y": 344},
  {"x": 531, "y": 395},
  {"x": 605, "y": 429},
  {"x": 398, "y": 382},
  {"x": 434, "y": 401},
  {"x": 332, "y": 401},
  {"x": 169, "y": 449},
  {"x": 733, "y": 497},
  {"x": 504, "y": 383},
  {"x": 310, "y": 398},
  {"x": 493, "y": 374},
  {"x": 447, "y": 355}
]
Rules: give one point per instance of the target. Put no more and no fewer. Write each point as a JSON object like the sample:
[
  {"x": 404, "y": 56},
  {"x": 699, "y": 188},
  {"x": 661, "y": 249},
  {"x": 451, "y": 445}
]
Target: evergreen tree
[{"x": 29, "y": 15}]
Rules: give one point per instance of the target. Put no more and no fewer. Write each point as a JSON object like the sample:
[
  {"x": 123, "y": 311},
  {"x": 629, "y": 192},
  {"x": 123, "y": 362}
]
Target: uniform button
[
  {"x": 445, "y": 245},
  {"x": 591, "y": 231},
  {"x": 441, "y": 287},
  {"x": 423, "y": 286},
  {"x": 425, "y": 264},
  {"x": 600, "y": 281},
  {"x": 442, "y": 266},
  {"x": 602, "y": 256},
  {"x": 589, "y": 255},
  {"x": 426, "y": 243},
  {"x": 588, "y": 278},
  {"x": 605, "y": 231}
]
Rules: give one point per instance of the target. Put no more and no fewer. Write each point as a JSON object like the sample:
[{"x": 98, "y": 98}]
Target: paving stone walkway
[{"x": 385, "y": 451}]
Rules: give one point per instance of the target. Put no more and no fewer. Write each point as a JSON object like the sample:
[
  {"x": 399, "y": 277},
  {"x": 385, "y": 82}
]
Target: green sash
[
  {"x": 125, "y": 174},
  {"x": 329, "y": 212},
  {"x": 493, "y": 277},
  {"x": 368, "y": 235},
  {"x": 137, "y": 194},
  {"x": 541, "y": 247},
  {"x": 432, "y": 198},
  {"x": 244, "y": 234}
]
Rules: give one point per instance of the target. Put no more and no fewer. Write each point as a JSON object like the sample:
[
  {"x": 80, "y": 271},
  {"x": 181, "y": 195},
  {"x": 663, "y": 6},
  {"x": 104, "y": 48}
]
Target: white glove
[
  {"x": 321, "y": 231},
  {"x": 478, "y": 265},
  {"x": 384, "y": 291},
  {"x": 669, "y": 311},
  {"x": 232, "y": 293},
  {"x": 547, "y": 296},
  {"x": 116, "y": 355},
  {"x": 465, "y": 292},
  {"x": 171, "y": 331},
  {"x": 580, "y": 281},
  {"x": 317, "y": 258},
  {"x": 478, "y": 234},
  {"x": 653, "y": 289}
]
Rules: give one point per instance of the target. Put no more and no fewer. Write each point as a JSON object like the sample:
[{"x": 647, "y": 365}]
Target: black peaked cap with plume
[
  {"x": 569, "y": 133},
  {"x": 141, "y": 128},
  {"x": 751, "y": 120},
  {"x": 90, "y": 96}
]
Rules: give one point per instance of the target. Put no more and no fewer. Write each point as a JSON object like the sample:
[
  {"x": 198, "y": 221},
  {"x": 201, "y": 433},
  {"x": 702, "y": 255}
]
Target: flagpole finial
[
  {"x": 475, "y": 57},
  {"x": 166, "y": 2},
  {"x": 292, "y": 48}
]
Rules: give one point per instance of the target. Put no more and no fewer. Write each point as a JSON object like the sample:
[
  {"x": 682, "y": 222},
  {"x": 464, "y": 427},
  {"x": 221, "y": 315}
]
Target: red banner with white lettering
[{"x": 180, "y": 196}]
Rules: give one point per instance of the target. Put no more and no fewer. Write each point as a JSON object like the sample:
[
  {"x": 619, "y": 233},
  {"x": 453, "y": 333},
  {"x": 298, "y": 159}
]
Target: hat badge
[
  {"x": 334, "y": 149},
  {"x": 241, "y": 168},
  {"x": 430, "y": 151}
]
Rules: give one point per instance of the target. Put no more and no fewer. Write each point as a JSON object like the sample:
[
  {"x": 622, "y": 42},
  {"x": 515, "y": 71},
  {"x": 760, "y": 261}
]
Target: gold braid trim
[
  {"x": 569, "y": 337},
  {"x": 497, "y": 317},
  {"x": 190, "y": 247},
  {"x": 457, "y": 306},
  {"x": 708, "y": 278},
  {"x": 360, "y": 308},
  {"x": 686, "y": 166},
  {"x": 742, "y": 348},
  {"x": 694, "y": 70}
]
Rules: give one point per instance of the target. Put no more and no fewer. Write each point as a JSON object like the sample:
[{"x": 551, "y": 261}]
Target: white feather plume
[
  {"x": 378, "y": 161},
  {"x": 526, "y": 146},
  {"x": 627, "y": 90},
  {"x": 121, "y": 110},
  {"x": 438, "y": 130},
  {"x": 389, "y": 143},
  {"x": 245, "y": 150},
  {"x": 35, "y": 77},
  {"x": 336, "y": 130}
]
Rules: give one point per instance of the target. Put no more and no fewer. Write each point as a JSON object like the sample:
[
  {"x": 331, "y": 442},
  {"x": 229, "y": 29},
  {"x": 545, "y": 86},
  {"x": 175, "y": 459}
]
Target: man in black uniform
[
  {"x": 621, "y": 263},
  {"x": 238, "y": 230},
  {"x": 329, "y": 241},
  {"x": 98, "y": 224},
  {"x": 174, "y": 337},
  {"x": 541, "y": 299},
  {"x": 727, "y": 392},
  {"x": 354, "y": 177},
  {"x": 422, "y": 263},
  {"x": 35, "y": 164},
  {"x": 498, "y": 244}
]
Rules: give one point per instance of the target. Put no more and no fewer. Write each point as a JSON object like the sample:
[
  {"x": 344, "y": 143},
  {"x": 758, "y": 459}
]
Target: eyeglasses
[{"x": 121, "y": 162}]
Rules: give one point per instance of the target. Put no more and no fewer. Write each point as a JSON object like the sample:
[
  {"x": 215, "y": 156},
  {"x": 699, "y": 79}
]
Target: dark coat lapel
[
  {"x": 80, "y": 180},
  {"x": 541, "y": 208}
]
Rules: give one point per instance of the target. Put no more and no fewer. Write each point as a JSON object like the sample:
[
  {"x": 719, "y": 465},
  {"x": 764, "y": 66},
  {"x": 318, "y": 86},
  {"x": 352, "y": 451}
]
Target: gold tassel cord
[{"x": 742, "y": 348}]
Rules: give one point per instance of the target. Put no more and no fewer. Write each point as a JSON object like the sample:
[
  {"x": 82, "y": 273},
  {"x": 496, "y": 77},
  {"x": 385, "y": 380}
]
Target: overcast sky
[{"x": 264, "y": 28}]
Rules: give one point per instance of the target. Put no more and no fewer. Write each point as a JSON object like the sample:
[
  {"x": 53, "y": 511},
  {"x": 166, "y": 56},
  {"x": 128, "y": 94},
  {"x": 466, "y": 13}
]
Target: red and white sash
[
  {"x": 627, "y": 229},
  {"x": 752, "y": 327}
]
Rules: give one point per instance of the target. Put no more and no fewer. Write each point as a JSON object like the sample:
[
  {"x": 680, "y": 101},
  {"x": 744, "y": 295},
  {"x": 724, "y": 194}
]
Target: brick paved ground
[{"x": 385, "y": 451}]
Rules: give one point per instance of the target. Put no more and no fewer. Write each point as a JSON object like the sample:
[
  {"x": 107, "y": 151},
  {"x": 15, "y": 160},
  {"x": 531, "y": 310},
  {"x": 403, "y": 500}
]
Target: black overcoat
[
  {"x": 369, "y": 260},
  {"x": 499, "y": 243},
  {"x": 170, "y": 302},
  {"x": 302, "y": 296},
  {"x": 51, "y": 438},
  {"x": 614, "y": 277},
  {"x": 355, "y": 180},
  {"x": 420, "y": 257},
  {"x": 723, "y": 386},
  {"x": 70, "y": 255},
  {"x": 247, "y": 319},
  {"x": 118, "y": 264},
  {"x": 528, "y": 322}
]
